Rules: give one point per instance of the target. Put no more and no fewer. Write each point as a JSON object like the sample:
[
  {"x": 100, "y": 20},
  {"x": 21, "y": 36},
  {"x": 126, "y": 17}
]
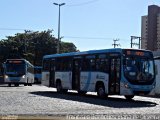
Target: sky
[{"x": 89, "y": 24}]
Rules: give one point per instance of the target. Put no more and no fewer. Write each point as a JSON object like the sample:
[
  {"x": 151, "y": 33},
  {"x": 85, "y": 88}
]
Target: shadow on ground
[{"x": 93, "y": 99}]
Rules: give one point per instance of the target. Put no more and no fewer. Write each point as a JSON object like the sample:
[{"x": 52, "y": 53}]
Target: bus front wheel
[{"x": 129, "y": 97}]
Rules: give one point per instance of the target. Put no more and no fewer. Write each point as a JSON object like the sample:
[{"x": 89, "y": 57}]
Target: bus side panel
[
  {"x": 124, "y": 90},
  {"x": 157, "y": 88},
  {"x": 65, "y": 78},
  {"x": 30, "y": 77},
  {"x": 89, "y": 79},
  {"x": 45, "y": 78},
  {"x": 38, "y": 77}
]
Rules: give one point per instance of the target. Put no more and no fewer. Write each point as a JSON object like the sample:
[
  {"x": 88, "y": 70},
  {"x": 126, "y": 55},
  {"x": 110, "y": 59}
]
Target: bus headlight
[
  {"x": 6, "y": 76},
  {"x": 126, "y": 85},
  {"x": 23, "y": 76}
]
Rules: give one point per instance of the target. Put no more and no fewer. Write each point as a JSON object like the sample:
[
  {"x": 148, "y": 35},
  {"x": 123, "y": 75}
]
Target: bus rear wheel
[
  {"x": 101, "y": 91},
  {"x": 129, "y": 97},
  {"x": 59, "y": 87}
]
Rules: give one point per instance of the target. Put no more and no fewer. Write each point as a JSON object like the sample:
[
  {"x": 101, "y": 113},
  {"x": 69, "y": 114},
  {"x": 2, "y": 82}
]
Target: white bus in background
[
  {"x": 18, "y": 71},
  {"x": 37, "y": 74},
  {"x": 157, "y": 63}
]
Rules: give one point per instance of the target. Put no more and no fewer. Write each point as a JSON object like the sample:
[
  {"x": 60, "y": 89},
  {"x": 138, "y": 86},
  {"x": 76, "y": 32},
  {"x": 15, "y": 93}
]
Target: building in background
[{"x": 150, "y": 30}]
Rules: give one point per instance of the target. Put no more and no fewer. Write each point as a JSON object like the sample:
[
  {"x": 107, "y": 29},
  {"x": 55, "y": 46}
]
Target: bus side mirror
[{"x": 156, "y": 69}]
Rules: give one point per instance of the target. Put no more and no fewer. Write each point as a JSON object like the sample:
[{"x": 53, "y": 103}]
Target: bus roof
[
  {"x": 26, "y": 61},
  {"x": 88, "y": 52}
]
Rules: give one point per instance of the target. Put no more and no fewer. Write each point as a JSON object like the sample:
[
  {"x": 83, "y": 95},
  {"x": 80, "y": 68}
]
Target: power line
[
  {"x": 12, "y": 29},
  {"x": 19, "y": 29},
  {"x": 84, "y": 3},
  {"x": 96, "y": 38},
  {"x": 72, "y": 37}
]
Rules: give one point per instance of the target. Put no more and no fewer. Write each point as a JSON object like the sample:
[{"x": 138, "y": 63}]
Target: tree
[
  {"x": 67, "y": 47},
  {"x": 32, "y": 46}
]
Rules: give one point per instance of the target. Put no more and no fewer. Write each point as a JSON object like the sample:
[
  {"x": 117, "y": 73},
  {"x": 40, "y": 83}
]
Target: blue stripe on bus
[{"x": 88, "y": 82}]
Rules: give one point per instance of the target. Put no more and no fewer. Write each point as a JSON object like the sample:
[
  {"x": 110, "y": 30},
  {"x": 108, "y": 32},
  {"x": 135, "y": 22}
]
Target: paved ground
[{"x": 41, "y": 101}]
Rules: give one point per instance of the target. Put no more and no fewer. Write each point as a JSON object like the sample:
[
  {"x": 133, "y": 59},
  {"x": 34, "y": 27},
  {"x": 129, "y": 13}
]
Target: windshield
[
  {"x": 138, "y": 69},
  {"x": 15, "y": 69}
]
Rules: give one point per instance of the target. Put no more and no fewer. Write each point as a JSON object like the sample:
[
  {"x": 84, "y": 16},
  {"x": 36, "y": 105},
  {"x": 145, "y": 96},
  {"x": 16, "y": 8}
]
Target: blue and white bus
[
  {"x": 37, "y": 74},
  {"x": 127, "y": 72},
  {"x": 18, "y": 71}
]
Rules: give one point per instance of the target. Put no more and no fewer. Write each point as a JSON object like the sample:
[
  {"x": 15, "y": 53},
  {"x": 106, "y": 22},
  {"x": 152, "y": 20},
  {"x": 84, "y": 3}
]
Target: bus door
[
  {"x": 114, "y": 75},
  {"x": 52, "y": 73},
  {"x": 76, "y": 73}
]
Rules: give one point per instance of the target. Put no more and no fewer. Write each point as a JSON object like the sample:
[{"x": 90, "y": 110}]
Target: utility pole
[
  {"x": 115, "y": 44},
  {"x": 135, "y": 43},
  {"x": 58, "y": 46}
]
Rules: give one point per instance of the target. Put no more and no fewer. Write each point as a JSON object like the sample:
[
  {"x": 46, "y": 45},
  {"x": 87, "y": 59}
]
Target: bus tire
[
  {"x": 65, "y": 90},
  {"x": 82, "y": 92},
  {"x": 36, "y": 80},
  {"x": 25, "y": 84},
  {"x": 59, "y": 86},
  {"x": 129, "y": 97},
  {"x": 101, "y": 91},
  {"x": 9, "y": 84},
  {"x": 16, "y": 84}
]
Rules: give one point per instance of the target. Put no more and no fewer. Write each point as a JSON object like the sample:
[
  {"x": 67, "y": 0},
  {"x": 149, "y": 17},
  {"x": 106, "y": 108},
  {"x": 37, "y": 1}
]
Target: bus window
[
  {"x": 89, "y": 63},
  {"x": 85, "y": 65},
  {"x": 93, "y": 64},
  {"x": 46, "y": 64},
  {"x": 66, "y": 64},
  {"x": 102, "y": 63}
]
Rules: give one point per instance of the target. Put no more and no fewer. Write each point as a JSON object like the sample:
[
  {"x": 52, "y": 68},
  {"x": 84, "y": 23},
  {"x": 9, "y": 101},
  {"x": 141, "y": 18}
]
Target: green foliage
[
  {"x": 67, "y": 47},
  {"x": 32, "y": 46}
]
